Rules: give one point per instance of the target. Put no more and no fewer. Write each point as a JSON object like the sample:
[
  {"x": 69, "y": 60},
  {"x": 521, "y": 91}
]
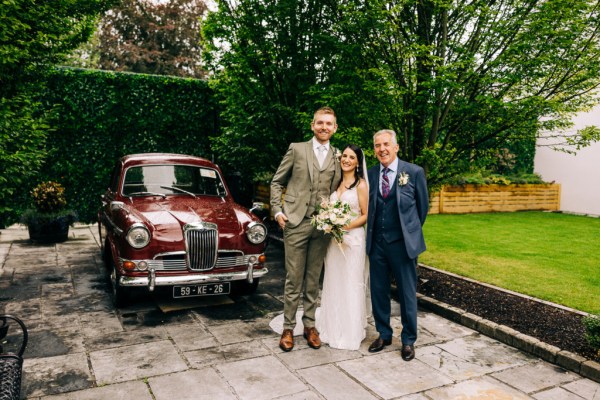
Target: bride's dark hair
[{"x": 359, "y": 171}]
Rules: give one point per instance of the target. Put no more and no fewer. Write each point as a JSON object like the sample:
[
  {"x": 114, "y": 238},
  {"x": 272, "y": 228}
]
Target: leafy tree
[
  {"x": 144, "y": 36},
  {"x": 267, "y": 59},
  {"x": 33, "y": 35},
  {"x": 457, "y": 80},
  {"x": 462, "y": 80}
]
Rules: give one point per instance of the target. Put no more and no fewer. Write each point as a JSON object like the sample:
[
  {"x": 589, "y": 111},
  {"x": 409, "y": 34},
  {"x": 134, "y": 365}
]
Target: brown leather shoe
[
  {"x": 286, "y": 343},
  {"x": 312, "y": 337}
]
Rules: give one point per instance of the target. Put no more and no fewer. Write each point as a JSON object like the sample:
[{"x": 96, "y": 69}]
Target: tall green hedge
[{"x": 100, "y": 116}]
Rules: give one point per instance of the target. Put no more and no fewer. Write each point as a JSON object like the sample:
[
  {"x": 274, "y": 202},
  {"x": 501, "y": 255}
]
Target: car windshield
[{"x": 183, "y": 180}]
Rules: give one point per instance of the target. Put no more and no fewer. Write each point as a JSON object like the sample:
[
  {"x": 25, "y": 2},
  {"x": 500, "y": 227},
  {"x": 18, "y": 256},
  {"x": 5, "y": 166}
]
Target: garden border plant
[{"x": 592, "y": 331}]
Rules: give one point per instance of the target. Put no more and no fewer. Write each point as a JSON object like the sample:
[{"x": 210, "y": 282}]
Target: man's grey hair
[{"x": 383, "y": 132}]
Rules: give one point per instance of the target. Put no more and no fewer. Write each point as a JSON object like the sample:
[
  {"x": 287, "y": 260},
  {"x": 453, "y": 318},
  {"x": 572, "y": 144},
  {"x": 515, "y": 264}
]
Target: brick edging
[{"x": 565, "y": 359}]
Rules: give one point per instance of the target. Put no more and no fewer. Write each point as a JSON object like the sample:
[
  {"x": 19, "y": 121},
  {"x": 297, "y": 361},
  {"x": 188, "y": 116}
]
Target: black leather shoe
[
  {"x": 408, "y": 352},
  {"x": 378, "y": 344}
]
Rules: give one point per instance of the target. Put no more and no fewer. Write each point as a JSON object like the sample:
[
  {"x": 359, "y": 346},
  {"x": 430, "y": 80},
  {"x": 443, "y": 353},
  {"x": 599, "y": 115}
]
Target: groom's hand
[{"x": 281, "y": 220}]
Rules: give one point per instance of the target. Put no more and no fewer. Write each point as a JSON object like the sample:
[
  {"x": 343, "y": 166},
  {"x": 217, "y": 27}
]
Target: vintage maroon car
[{"x": 169, "y": 220}]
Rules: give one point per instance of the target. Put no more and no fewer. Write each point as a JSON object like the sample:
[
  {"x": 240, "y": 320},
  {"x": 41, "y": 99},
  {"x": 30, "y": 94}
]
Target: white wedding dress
[{"x": 342, "y": 317}]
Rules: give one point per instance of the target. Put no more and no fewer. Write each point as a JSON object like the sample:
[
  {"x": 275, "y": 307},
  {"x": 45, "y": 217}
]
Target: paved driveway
[{"x": 81, "y": 347}]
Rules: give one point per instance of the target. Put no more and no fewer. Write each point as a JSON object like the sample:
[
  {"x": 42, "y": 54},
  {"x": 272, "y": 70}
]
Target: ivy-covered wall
[{"x": 100, "y": 116}]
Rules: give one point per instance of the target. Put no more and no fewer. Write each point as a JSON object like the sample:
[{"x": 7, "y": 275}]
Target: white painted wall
[{"x": 579, "y": 175}]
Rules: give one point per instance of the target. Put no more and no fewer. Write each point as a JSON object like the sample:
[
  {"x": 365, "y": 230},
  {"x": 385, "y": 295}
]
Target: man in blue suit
[{"x": 398, "y": 206}]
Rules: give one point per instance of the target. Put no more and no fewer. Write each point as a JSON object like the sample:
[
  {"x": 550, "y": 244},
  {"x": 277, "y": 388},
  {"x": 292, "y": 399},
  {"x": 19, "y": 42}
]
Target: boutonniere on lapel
[
  {"x": 402, "y": 178},
  {"x": 338, "y": 155}
]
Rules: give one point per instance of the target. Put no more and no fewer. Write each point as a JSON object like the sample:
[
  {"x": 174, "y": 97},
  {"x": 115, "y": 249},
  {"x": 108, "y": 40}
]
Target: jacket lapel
[
  {"x": 328, "y": 157},
  {"x": 310, "y": 158},
  {"x": 373, "y": 188},
  {"x": 401, "y": 169}
]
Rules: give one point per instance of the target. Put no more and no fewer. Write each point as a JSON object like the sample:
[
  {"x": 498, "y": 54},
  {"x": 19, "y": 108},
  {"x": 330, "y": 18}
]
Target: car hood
[{"x": 166, "y": 217}]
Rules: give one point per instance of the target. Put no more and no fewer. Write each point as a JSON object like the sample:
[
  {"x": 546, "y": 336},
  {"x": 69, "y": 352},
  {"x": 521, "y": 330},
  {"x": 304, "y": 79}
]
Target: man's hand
[{"x": 281, "y": 220}]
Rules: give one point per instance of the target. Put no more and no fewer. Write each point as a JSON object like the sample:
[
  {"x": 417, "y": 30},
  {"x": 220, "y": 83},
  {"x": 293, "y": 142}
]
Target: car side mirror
[
  {"x": 261, "y": 210},
  {"x": 116, "y": 205}
]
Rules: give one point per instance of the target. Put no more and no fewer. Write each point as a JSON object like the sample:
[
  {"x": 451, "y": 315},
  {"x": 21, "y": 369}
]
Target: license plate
[{"x": 208, "y": 289}]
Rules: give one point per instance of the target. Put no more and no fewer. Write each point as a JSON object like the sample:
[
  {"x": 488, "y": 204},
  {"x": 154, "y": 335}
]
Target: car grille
[
  {"x": 177, "y": 262},
  {"x": 201, "y": 243}
]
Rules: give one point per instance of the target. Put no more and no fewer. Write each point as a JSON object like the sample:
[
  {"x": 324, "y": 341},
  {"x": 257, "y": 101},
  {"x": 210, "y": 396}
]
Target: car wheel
[
  {"x": 243, "y": 288},
  {"x": 121, "y": 294},
  {"x": 106, "y": 255}
]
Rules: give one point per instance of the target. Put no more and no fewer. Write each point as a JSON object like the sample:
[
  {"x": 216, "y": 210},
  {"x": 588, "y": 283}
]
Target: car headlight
[
  {"x": 138, "y": 236},
  {"x": 256, "y": 233}
]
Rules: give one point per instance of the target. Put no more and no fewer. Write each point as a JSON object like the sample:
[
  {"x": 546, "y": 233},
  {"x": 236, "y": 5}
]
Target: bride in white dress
[{"x": 342, "y": 319}]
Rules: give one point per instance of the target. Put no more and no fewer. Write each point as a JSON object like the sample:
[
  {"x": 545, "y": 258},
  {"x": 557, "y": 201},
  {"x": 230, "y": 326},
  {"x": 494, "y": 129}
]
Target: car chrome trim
[
  {"x": 135, "y": 226},
  {"x": 190, "y": 279},
  {"x": 116, "y": 205},
  {"x": 201, "y": 245},
  {"x": 181, "y": 265},
  {"x": 117, "y": 230},
  {"x": 250, "y": 226}
]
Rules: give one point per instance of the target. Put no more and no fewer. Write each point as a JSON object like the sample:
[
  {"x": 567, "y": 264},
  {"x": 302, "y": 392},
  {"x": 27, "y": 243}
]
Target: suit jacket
[
  {"x": 413, "y": 204},
  {"x": 295, "y": 175}
]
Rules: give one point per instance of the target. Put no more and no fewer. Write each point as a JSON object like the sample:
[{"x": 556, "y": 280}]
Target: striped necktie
[{"x": 385, "y": 183}]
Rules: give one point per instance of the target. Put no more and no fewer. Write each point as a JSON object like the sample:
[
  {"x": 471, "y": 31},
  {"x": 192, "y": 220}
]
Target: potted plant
[{"x": 49, "y": 220}]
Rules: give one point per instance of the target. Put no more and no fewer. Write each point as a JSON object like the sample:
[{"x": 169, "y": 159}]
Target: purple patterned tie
[{"x": 385, "y": 183}]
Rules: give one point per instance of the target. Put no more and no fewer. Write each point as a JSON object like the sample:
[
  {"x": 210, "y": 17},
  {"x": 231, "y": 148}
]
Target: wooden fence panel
[
  {"x": 478, "y": 198},
  {"x": 495, "y": 198}
]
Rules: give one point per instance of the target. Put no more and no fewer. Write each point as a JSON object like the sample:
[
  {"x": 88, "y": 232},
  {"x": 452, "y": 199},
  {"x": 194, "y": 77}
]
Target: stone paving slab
[
  {"x": 202, "y": 384},
  {"x": 535, "y": 377},
  {"x": 388, "y": 376},
  {"x": 261, "y": 378},
  {"x": 226, "y": 353},
  {"x": 52, "y": 375},
  {"x": 332, "y": 383},
  {"x": 556, "y": 394},
  {"x": 135, "y": 362},
  {"x": 81, "y": 347},
  {"x": 584, "y": 388},
  {"x": 476, "y": 389},
  {"x": 121, "y": 391}
]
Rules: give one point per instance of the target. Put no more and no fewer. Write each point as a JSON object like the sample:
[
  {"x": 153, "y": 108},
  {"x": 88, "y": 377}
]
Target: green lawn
[{"x": 551, "y": 256}]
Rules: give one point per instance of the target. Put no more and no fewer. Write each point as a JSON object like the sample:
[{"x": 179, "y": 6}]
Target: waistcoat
[
  {"x": 321, "y": 186},
  {"x": 387, "y": 219}
]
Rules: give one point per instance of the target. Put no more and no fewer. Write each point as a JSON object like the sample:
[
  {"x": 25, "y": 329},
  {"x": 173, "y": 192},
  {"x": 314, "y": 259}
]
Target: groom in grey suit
[
  {"x": 308, "y": 172},
  {"x": 398, "y": 205}
]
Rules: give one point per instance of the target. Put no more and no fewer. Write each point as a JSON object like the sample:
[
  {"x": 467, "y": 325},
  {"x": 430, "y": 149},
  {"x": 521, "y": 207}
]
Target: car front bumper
[{"x": 152, "y": 280}]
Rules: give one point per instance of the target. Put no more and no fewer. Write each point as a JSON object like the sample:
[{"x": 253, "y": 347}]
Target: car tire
[
  {"x": 243, "y": 288},
  {"x": 120, "y": 294},
  {"x": 106, "y": 255}
]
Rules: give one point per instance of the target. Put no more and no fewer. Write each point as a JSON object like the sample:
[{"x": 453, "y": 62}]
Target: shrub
[
  {"x": 49, "y": 205},
  {"x": 487, "y": 178},
  {"x": 592, "y": 331},
  {"x": 49, "y": 197}
]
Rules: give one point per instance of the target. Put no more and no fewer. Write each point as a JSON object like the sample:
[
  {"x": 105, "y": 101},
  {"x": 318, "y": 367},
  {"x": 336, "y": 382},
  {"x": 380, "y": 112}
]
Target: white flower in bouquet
[{"x": 331, "y": 217}]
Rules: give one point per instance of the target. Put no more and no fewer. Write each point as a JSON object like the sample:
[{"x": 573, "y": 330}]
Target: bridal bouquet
[{"x": 331, "y": 217}]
